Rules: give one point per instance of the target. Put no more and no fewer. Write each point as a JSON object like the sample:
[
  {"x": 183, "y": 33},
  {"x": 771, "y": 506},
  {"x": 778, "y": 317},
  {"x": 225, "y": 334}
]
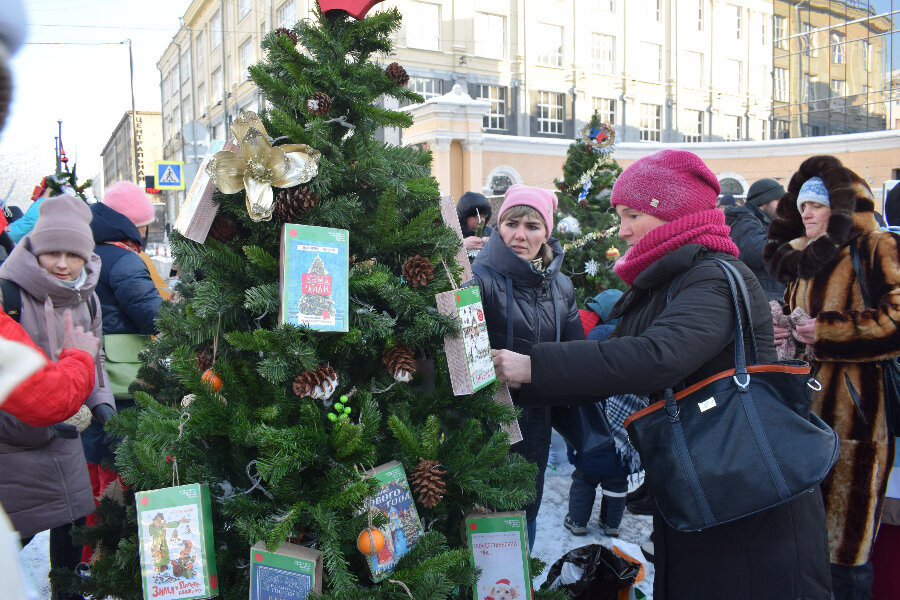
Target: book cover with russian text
[
  {"x": 499, "y": 546},
  {"x": 291, "y": 572}
]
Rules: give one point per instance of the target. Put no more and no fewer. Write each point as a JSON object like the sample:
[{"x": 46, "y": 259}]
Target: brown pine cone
[
  {"x": 204, "y": 359},
  {"x": 224, "y": 227},
  {"x": 397, "y": 74},
  {"x": 318, "y": 383},
  {"x": 319, "y": 103},
  {"x": 583, "y": 203},
  {"x": 418, "y": 271},
  {"x": 427, "y": 481},
  {"x": 287, "y": 32},
  {"x": 291, "y": 203},
  {"x": 400, "y": 362}
]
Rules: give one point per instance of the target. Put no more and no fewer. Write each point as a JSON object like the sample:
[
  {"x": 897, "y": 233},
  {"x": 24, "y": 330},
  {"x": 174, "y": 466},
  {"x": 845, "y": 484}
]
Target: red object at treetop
[{"x": 355, "y": 8}]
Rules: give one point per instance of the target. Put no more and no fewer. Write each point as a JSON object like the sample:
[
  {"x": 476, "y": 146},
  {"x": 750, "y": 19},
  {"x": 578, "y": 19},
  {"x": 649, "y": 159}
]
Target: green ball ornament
[
  {"x": 345, "y": 399},
  {"x": 332, "y": 417},
  {"x": 344, "y": 417},
  {"x": 346, "y": 410},
  {"x": 338, "y": 406}
]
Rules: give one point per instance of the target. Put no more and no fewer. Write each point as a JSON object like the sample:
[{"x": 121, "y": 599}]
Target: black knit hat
[{"x": 763, "y": 192}]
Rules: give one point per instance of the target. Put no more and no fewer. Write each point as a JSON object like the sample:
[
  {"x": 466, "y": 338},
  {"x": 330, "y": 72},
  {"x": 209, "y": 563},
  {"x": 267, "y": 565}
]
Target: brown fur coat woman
[{"x": 848, "y": 339}]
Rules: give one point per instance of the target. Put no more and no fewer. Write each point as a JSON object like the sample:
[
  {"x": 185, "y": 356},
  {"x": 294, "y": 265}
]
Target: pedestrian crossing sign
[{"x": 170, "y": 175}]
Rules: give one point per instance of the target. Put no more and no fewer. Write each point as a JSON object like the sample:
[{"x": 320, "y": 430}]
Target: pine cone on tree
[
  {"x": 418, "y": 271},
  {"x": 400, "y": 362},
  {"x": 291, "y": 203},
  {"x": 224, "y": 227},
  {"x": 287, "y": 32},
  {"x": 318, "y": 383},
  {"x": 397, "y": 74},
  {"x": 427, "y": 481},
  {"x": 583, "y": 203},
  {"x": 319, "y": 103}
]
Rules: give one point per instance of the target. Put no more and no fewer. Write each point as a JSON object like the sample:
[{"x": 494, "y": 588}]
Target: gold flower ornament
[{"x": 260, "y": 166}]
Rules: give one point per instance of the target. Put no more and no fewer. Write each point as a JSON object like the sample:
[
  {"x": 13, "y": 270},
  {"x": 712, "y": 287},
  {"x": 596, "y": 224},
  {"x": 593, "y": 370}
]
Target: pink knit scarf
[{"x": 706, "y": 228}]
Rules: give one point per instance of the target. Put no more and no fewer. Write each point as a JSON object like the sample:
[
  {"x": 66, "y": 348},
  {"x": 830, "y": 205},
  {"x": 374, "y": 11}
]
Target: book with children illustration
[
  {"x": 291, "y": 572},
  {"x": 403, "y": 529},
  {"x": 176, "y": 543},
  {"x": 499, "y": 546},
  {"x": 314, "y": 277},
  {"x": 469, "y": 354}
]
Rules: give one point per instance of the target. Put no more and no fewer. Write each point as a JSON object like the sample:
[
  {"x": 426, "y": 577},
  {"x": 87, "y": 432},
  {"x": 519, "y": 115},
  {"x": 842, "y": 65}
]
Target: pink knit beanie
[
  {"x": 63, "y": 225},
  {"x": 542, "y": 201},
  {"x": 667, "y": 184},
  {"x": 128, "y": 199}
]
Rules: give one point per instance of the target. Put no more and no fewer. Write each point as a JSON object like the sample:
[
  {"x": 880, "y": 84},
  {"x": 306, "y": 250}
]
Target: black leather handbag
[
  {"x": 737, "y": 443},
  {"x": 890, "y": 368}
]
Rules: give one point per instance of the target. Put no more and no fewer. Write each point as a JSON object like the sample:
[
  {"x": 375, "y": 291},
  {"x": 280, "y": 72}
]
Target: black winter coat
[
  {"x": 127, "y": 294},
  {"x": 779, "y": 554},
  {"x": 749, "y": 231},
  {"x": 523, "y": 306}
]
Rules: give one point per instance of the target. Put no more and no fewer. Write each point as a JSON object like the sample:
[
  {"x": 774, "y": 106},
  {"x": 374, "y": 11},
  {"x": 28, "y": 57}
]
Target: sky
[{"x": 74, "y": 67}]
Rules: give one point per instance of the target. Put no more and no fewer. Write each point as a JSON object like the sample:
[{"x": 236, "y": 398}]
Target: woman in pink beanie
[
  {"x": 677, "y": 330},
  {"x": 527, "y": 300}
]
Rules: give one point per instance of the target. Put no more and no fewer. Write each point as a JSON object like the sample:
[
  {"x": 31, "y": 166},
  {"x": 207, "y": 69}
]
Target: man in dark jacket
[
  {"x": 474, "y": 210},
  {"x": 749, "y": 226}
]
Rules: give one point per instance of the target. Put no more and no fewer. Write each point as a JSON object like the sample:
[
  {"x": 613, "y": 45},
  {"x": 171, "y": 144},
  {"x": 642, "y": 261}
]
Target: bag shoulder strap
[
  {"x": 857, "y": 268},
  {"x": 11, "y": 298}
]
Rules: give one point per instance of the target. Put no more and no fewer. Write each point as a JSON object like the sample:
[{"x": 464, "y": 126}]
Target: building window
[
  {"x": 693, "y": 131},
  {"x": 496, "y": 95},
  {"x": 651, "y": 122},
  {"x": 489, "y": 35},
  {"x": 733, "y": 76},
  {"x": 187, "y": 109},
  {"x": 692, "y": 69},
  {"x": 426, "y": 86},
  {"x": 216, "y": 86},
  {"x": 781, "y": 85},
  {"x": 700, "y": 15},
  {"x": 243, "y": 8},
  {"x": 762, "y": 28},
  {"x": 867, "y": 55},
  {"x": 651, "y": 61},
  {"x": 550, "y": 112},
  {"x": 737, "y": 14},
  {"x": 733, "y": 128},
  {"x": 185, "y": 65},
  {"x": 808, "y": 93},
  {"x": 603, "y": 53},
  {"x": 201, "y": 52},
  {"x": 215, "y": 31},
  {"x": 837, "y": 87},
  {"x": 175, "y": 79},
  {"x": 813, "y": 130},
  {"x": 423, "y": 26},
  {"x": 838, "y": 50},
  {"x": 286, "y": 15},
  {"x": 606, "y": 109},
  {"x": 549, "y": 45},
  {"x": 782, "y": 129},
  {"x": 654, "y": 10},
  {"x": 779, "y": 33},
  {"x": 245, "y": 55},
  {"x": 763, "y": 129},
  {"x": 808, "y": 40},
  {"x": 201, "y": 97}
]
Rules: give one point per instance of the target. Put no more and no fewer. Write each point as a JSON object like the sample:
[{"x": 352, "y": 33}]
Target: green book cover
[
  {"x": 177, "y": 550},
  {"x": 499, "y": 546},
  {"x": 403, "y": 529},
  {"x": 315, "y": 267},
  {"x": 289, "y": 573}
]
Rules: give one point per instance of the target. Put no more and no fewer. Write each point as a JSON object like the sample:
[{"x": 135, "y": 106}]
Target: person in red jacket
[{"x": 41, "y": 392}]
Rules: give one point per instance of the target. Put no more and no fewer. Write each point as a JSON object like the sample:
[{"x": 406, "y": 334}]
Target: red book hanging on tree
[{"x": 355, "y": 8}]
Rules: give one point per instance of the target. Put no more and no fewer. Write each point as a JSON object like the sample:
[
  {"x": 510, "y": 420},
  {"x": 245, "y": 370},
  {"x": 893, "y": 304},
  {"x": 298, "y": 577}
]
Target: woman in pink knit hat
[
  {"x": 527, "y": 300},
  {"x": 676, "y": 330}
]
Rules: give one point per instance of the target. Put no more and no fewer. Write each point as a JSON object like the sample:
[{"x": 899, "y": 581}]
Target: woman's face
[
  {"x": 815, "y": 219},
  {"x": 62, "y": 265},
  {"x": 524, "y": 235},
  {"x": 635, "y": 224}
]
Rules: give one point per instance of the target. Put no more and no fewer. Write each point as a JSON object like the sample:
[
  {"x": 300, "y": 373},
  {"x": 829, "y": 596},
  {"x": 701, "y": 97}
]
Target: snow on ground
[{"x": 552, "y": 540}]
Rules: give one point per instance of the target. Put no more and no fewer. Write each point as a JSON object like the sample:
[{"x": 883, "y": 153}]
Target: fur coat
[{"x": 848, "y": 339}]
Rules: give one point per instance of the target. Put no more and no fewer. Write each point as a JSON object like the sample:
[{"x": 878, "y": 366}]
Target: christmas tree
[
  {"x": 587, "y": 224},
  {"x": 234, "y": 400}
]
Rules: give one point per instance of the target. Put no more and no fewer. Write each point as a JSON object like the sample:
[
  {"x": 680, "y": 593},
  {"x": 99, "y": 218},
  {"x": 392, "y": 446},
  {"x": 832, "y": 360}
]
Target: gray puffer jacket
[{"x": 44, "y": 479}]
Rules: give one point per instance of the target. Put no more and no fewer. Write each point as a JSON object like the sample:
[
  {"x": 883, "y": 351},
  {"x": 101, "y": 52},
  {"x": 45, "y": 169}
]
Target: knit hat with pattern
[
  {"x": 667, "y": 184},
  {"x": 63, "y": 225}
]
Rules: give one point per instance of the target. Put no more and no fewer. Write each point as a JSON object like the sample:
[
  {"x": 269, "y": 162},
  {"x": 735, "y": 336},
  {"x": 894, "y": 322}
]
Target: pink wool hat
[
  {"x": 667, "y": 184},
  {"x": 542, "y": 201},
  {"x": 130, "y": 200}
]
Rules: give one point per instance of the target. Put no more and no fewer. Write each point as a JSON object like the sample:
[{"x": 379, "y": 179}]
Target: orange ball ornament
[
  {"x": 370, "y": 541},
  {"x": 211, "y": 380}
]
